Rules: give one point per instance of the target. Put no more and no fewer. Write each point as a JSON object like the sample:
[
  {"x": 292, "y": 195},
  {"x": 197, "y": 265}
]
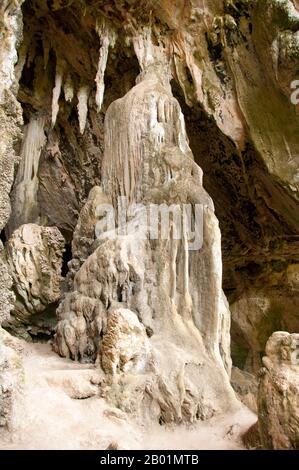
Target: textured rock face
[
  {"x": 10, "y": 122},
  {"x": 278, "y": 394},
  {"x": 10, "y": 109},
  {"x": 258, "y": 313},
  {"x": 84, "y": 234},
  {"x": 11, "y": 377},
  {"x": 132, "y": 285},
  {"x": 125, "y": 345},
  {"x": 35, "y": 259}
]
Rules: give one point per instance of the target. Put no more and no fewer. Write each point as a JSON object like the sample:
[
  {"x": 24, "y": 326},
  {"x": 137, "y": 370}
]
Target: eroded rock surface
[
  {"x": 278, "y": 394},
  {"x": 11, "y": 378},
  {"x": 258, "y": 313},
  {"x": 35, "y": 260},
  {"x": 245, "y": 386},
  {"x": 84, "y": 234},
  {"x": 10, "y": 132}
]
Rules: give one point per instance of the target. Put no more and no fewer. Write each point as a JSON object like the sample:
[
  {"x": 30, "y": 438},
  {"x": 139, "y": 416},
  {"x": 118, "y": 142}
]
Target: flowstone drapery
[{"x": 151, "y": 313}]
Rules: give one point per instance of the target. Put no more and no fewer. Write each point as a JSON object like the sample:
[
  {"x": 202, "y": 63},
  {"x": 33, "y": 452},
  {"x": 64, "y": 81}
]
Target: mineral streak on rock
[{"x": 24, "y": 195}]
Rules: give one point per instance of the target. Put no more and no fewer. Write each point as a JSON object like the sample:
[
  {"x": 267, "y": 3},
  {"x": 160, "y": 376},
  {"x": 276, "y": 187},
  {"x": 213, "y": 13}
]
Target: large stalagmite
[
  {"x": 24, "y": 194},
  {"x": 151, "y": 312}
]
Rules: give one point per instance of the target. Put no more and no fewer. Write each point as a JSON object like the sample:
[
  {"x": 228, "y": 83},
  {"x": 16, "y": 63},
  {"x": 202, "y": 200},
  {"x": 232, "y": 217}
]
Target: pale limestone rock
[
  {"x": 24, "y": 194},
  {"x": 77, "y": 384},
  {"x": 10, "y": 123},
  {"x": 107, "y": 37},
  {"x": 224, "y": 334},
  {"x": 235, "y": 61},
  {"x": 35, "y": 259},
  {"x": 84, "y": 234},
  {"x": 7, "y": 296},
  {"x": 125, "y": 346},
  {"x": 82, "y": 106},
  {"x": 57, "y": 90},
  {"x": 177, "y": 374},
  {"x": 68, "y": 89},
  {"x": 11, "y": 376},
  {"x": 278, "y": 394}
]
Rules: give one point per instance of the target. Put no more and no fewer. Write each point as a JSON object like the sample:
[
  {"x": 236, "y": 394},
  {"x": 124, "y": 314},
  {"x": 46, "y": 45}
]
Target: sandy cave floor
[{"x": 46, "y": 417}]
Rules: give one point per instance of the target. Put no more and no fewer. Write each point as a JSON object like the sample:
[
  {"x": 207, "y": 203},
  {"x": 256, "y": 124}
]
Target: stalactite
[
  {"x": 57, "y": 90},
  {"x": 24, "y": 196},
  {"x": 101, "y": 72},
  {"x": 68, "y": 88},
  {"x": 143, "y": 48},
  {"x": 34, "y": 140},
  {"x": 83, "y": 94},
  {"x": 107, "y": 37}
]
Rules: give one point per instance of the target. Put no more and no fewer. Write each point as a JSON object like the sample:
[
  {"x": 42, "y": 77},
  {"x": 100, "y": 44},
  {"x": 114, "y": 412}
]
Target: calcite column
[{"x": 151, "y": 311}]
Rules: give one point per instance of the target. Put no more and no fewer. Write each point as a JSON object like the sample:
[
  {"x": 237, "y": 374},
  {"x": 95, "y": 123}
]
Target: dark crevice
[
  {"x": 3, "y": 237},
  {"x": 67, "y": 257}
]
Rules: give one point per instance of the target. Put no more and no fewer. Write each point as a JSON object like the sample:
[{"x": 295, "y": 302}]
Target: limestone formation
[
  {"x": 10, "y": 122},
  {"x": 10, "y": 133},
  {"x": 175, "y": 292},
  {"x": 278, "y": 394},
  {"x": 125, "y": 346},
  {"x": 84, "y": 234},
  {"x": 11, "y": 377},
  {"x": 24, "y": 195},
  {"x": 77, "y": 384},
  {"x": 35, "y": 259}
]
